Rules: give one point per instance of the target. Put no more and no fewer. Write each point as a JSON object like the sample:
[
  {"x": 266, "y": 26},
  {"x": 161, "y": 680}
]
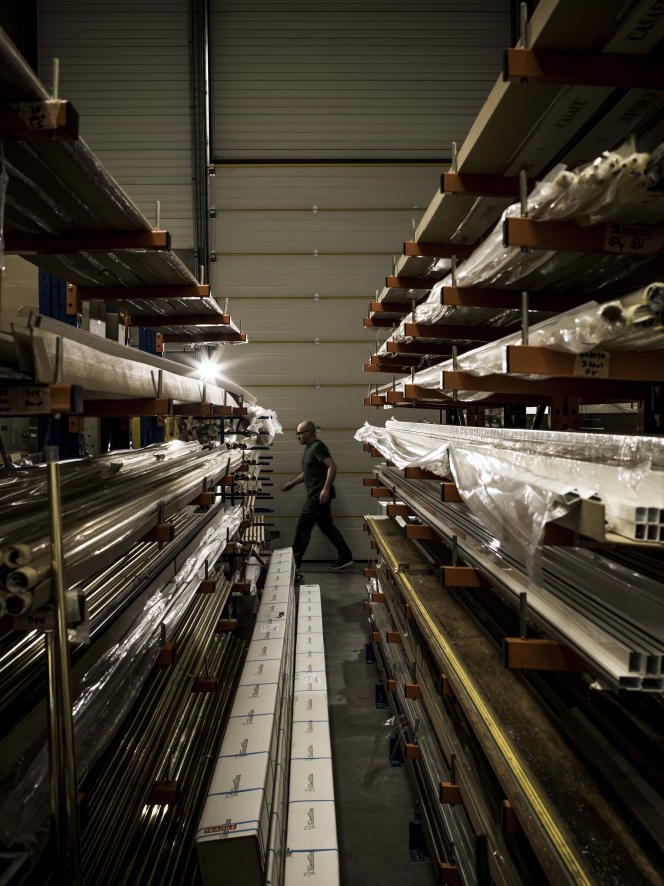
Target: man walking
[{"x": 318, "y": 473}]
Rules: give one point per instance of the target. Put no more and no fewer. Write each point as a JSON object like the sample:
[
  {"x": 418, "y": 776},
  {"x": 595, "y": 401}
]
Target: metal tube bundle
[
  {"x": 125, "y": 830},
  {"x": 107, "y": 691},
  {"x": 450, "y": 827},
  {"x": 106, "y": 595},
  {"x": 106, "y": 518}
]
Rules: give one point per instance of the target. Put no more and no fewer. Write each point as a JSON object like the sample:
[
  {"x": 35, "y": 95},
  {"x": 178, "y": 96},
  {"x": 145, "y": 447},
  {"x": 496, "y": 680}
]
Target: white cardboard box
[
  {"x": 258, "y": 698},
  {"x": 309, "y": 624},
  {"x": 312, "y": 826},
  {"x": 319, "y": 868},
  {"x": 270, "y": 630},
  {"x": 309, "y": 643},
  {"x": 267, "y": 671},
  {"x": 311, "y": 780},
  {"x": 310, "y": 706},
  {"x": 309, "y": 661},
  {"x": 311, "y": 680},
  {"x": 311, "y": 739},
  {"x": 309, "y": 607},
  {"x": 233, "y": 829},
  {"x": 264, "y": 650},
  {"x": 248, "y": 735}
]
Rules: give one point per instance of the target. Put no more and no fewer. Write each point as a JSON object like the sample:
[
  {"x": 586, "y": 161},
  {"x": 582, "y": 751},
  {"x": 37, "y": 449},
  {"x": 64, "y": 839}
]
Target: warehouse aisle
[{"x": 374, "y": 799}]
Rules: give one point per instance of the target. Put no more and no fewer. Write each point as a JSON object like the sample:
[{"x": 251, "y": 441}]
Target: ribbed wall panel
[
  {"x": 332, "y": 186},
  {"x": 125, "y": 67},
  {"x": 346, "y": 231},
  {"x": 304, "y": 319},
  {"x": 272, "y": 276},
  {"x": 338, "y": 79},
  {"x": 270, "y": 222}
]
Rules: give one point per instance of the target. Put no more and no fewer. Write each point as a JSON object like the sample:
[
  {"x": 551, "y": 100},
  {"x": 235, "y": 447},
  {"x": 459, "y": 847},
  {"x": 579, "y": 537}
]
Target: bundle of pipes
[
  {"x": 105, "y": 510},
  {"x": 170, "y": 739},
  {"x": 22, "y": 654},
  {"x": 107, "y": 691},
  {"x": 451, "y": 829}
]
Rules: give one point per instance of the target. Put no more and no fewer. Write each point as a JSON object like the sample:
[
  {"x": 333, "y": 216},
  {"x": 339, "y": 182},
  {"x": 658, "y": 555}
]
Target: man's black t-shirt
[{"x": 314, "y": 470}]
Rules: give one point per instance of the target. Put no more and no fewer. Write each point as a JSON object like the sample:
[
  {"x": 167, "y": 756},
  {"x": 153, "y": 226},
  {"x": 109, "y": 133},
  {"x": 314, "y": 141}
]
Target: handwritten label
[
  {"x": 633, "y": 239},
  {"x": 40, "y": 115},
  {"x": 592, "y": 364}
]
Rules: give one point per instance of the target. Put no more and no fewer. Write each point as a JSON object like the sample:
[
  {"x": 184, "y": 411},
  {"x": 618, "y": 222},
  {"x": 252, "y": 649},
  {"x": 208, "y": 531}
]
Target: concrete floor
[{"x": 374, "y": 799}]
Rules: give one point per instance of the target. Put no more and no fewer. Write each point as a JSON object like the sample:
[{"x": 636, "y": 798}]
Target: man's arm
[
  {"x": 293, "y": 482},
  {"x": 326, "y": 491}
]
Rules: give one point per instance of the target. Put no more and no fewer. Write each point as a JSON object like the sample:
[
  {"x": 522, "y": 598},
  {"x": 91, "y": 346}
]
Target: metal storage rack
[
  {"x": 65, "y": 213},
  {"x": 510, "y": 693}
]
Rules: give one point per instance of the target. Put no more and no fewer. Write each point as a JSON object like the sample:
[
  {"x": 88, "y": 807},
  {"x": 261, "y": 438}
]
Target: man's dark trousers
[{"x": 314, "y": 513}]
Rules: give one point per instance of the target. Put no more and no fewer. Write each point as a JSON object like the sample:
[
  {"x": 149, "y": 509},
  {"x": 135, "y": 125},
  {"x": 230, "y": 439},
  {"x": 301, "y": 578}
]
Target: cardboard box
[
  {"x": 258, "y": 698},
  {"x": 311, "y": 780},
  {"x": 310, "y": 706},
  {"x": 267, "y": 671},
  {"x": 311, "y": 826},
  {"x": 234, "y": 825},
  {"x": 309, "y": 643},
  {"x": 266, "y": 650},
  {"x": 309, "y": 661},
  {"x": 249, "y": 735},
  {"x": 317, "y": 867},
  {"x": 309, "y": 607},
  {"x": 311, "y": 680},
  {"x": 311, "y": 739}
]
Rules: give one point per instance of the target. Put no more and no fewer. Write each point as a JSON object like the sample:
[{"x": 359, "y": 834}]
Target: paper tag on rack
[
  {"x": 592, "y": 364},
  {"x": 634, "y": 239},
  {"x": 40, "y": 114}
]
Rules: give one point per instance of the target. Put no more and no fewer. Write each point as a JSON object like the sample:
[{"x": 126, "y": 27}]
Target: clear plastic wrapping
[
  {"x": 516, "y": 482},
  {"x": 618, "y": 186},
  {"x": 633, "y": 322}
]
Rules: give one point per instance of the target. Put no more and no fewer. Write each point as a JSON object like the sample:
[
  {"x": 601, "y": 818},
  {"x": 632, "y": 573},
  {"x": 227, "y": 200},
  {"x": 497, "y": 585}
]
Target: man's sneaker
[
  {"x": 341, "y": 564},
  {"x": 299, "y": 578}
]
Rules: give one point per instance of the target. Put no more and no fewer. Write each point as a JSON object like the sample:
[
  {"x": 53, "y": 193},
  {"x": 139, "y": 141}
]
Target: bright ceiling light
[{"x": 208, "y": 369}]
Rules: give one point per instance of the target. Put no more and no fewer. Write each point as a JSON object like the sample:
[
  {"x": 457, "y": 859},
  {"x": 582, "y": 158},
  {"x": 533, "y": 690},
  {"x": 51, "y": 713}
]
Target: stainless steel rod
[{"x": 64, "y": 800}]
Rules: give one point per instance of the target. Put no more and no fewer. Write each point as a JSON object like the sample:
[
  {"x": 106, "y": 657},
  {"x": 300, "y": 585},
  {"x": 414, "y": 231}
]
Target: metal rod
[
  {"x": 523, "y": 26},
  {"x": 64, "y": 800},
  {"x": 525, "y": 328}
]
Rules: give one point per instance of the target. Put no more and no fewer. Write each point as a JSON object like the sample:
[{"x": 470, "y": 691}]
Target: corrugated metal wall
[
  {"x": 125, "y": 66},
  {"x": 310, "y": 79},
  {"x": 302, "y": 248}
]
